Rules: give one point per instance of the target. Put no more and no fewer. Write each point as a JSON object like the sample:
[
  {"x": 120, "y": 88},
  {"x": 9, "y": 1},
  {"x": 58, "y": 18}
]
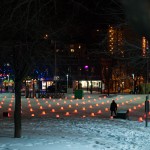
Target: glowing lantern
[
  {"x": 71, "y": 100},
  {"x": 108, "y": 101},
  {"x": 82, "y": 98},
  {"x": 84, "y": 116},
  {"x": 111, "y": 117},
  {"x": 103, "y": 103},
  {"x": 75, "y": 111},
  {"x": 66, "y": 97},
  {"x": 32, "y": 115},
  {"x": 140, "y": 119},
  {"x": 135, "y": 99},
  {"x": 99, "y": 98},
  {"x": 41, "y": 107},
  {"x": 62, "y": 108},
  {"x": 50, "y": 98},
  {"x": 92, "y": 114},
  {"x": 77, "y": 104},
  {"x": 0, "y": 106},
  {"x": 130, "y": 109},
  {"x": 122, "y": 103},
  {"x": 94, "y": 100},
  {"x": 58, "y": 104},
  {"x": 143, "y": 104},
  {"x": 149, "y": 113},
  {"x": 104, "y": 96},
  {"x": 130, "y": 100},
  {"x": 118, "y": 105},
  {"x": 69, "y": 106},
  {"x": 49, "y": 105},
  {"x": 9, "y": 109},
  {"x": 83, "y": 102},
  {"x": 72, "y": 96},
  {"x": 31, "y": 109},
  {"x": 89, "y": 101},
  {"x": 64, "y": 102},
  {"x": 53, "y": 110},
  {"x": 99, "y": 112},
  {"x": 127, "y": 102},
  {"x": 106, "y": 109},
  {"x": 54, "y": 100},
  {"x": 2, "y": 103},
  {"x": 117, "y": 98},
  {"x": 38, "y": 103},
  {"x": 83, "y": 108},
  {"x": 89, "y": 96},
  {"x": 57, "y": 116},
  {"x": 67, "y": 114},
  {"x": 10, "y": 105},
  {"x": 46, "y": 102},
  {"x": 90, "y": 106},
  {"x": 29, "y": 105},
  {"x": 134, "y": 107},
  {"x": 43, "y": 99},
  {"x": 43, "y": 113},
  {"x": 96, "y": 105}
]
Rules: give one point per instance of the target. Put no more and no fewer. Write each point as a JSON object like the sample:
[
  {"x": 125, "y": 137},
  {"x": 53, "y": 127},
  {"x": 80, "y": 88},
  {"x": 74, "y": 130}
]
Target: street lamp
[
  {"x": 67, "y": 82},
  {"x": 133, "y": 82}
]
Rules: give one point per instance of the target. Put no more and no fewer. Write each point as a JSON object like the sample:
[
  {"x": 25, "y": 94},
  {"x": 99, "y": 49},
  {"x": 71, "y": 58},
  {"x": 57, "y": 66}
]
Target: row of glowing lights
[{"x": 70, "y": 106}]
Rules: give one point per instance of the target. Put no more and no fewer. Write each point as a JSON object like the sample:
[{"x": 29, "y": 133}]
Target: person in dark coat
[{"x": 113, "y": 107}]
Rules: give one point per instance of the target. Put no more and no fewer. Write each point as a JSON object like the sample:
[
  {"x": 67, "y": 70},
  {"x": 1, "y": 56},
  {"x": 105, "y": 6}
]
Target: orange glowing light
[
  {"x": 139, "y": 105},
  {"x": 43, "y": 99},
  {"x": 72, "y": 96},
  {"x": 104, "y": 96},
  {"x": 41, "y": 107},
  {"x": 62, "y": 108},
  {"x": 97, "y": 105},
  {"x": 50, "y": 98},
  {"x": 77, "y": 104},
  {"x": 83, "y": 108},
  {"x": 46, "y": 102},
  {"x": 118, "y": 105},
  {"x": 64, "y": 102},
  {"x": 29, "y": 105},
  {"x": 103, "y": 103},
  {"x": 92, "y": 114},
  {"x": 49, "y": 105},
  {"x": 9, "y": 109},
  {"x": 67, "y": 114},
  {"x": 38, "y": 103},
  {"x": 127, "y": 102},
  {"x": 58, "y": 104},
  {"x": 83, "y": 116},
  {"x": 90, "y": 106},
  {"x": 57, "y": 116},
  {"x": 82, "y": 98},
  {"x": 2, "y": 103},
  {"x": 31, "y": 109},
  {"x": 122, "y": 103},
  {"x": 130, "y": 109},
  {"x": 106, "y": 109},
  {"x": 111, "y": 117},
  {"x": 10, "y": 105},
  {"x": 89, "y": 96},
  {"x": 108, "y": 101},
  {"x": 143, "y": 104},
  {"x": 89, "y": 101},
  {"x": 94, "y": 100},
  {"x": 75, "y": 111},
  {"x": 134, "y": 107},
  {"x": 140, "y": 119},
  {"x": 69, "y": 106},
  {"x": 32, "y": 115},
  {"x": 54, "y": 100},
  {"x": 83, "y": 102},
  {"x": 43, "y": 113},
  {"x": 53, "y": 110},
  {"x": 99, "y": 112},
  {"x": 0, "y": 106}
]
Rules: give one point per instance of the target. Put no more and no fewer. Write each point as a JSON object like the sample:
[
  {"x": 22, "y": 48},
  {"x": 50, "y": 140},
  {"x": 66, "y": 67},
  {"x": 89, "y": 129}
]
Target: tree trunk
[{"x": 17, "y": 113}]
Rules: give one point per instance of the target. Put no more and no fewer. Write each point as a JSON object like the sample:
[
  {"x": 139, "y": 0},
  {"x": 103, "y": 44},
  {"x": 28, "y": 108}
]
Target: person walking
[{"x": 113, "y": 107}]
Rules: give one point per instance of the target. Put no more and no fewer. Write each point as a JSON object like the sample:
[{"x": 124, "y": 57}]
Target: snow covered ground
[{"x": 80, "y": 130}]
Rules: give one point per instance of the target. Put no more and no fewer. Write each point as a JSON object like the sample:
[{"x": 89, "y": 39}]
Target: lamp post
[
  {"x": 86, "y": 67},
  {"x": 133, "y": 81},
  {"x": 67, "y": 82}
]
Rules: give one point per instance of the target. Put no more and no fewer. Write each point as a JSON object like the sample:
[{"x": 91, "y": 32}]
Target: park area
[{"x": 75, "y": 124}]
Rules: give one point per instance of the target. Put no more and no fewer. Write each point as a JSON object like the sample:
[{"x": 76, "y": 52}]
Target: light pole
[
  {"x": 133, "y": 82},
  {"x": 67, "y": 82}
]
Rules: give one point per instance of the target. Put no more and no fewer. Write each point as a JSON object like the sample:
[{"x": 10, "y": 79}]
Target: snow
[{"x": 75, "y": 132}]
